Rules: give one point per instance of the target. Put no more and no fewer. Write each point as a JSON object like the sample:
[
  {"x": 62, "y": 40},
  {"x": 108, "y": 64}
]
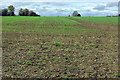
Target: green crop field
[
  {"x": 113, "y": 20},
  {"x": 59, "y": 47},
  {"x": 42, "y": 24}
]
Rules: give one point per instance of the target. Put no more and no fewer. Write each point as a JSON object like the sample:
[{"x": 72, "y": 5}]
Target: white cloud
[
  {"x": 59, "y": 0},
  {"x": 65, "y": 9},
  {"x": 100, "y": 7}
]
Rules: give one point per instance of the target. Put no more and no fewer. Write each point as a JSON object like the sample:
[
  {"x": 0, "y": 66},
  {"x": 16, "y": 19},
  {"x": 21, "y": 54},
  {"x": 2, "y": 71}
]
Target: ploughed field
[{"x": 60, "y": 47}]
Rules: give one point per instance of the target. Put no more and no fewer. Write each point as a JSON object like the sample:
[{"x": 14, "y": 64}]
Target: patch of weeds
[
  {"x": 99, "y": 59},
  {"x": 68, "y": 50},
  {"x": 32, "y": 31},
  {"x": 47, "y": 58},
  {"x": 28, "y": 62},
  {"x": 40, "y": 60},
  {"x": 38, "y": 38},
  {"x": 30, "y": 54},
  {"x": 93, "y": 44},
  {"x": 60, "y": 77},
  {"x": 66, "y": 79},
  {"x": 50, "y": 73},
  {"x": 92, "y": 74},
  {"x": 110, "y": 59},
  {"x": 78, "y": 47},
  {"x": 49, "y": 48},
  {"x": 89, "y": 60},
  {"x": 19, "y": 62},
  {"x": 117, "y": 75},
  {"x": 38, "y": 63},
  {"x": 66, "y": 60},
  {"x": 23, "y": 63},
  {"x": 65, "y": 68},
  {"x": 15, "y": 51},
  {"x": 10, "y": 42},
  {"x": 54, "y": 58},
  {"x": 47, "y": 71},
  {"x": 69, "y": 73},
  {"x": 58, "y": 39},
  {"x": 30, "y": 47},
  {"x": 17, "y": 70},
  {"x": 75, "y": 67},
  {"x": 58, "y": 44},
  {"x": 87, "y": 46},
  {"x": 41, "y": 67}
]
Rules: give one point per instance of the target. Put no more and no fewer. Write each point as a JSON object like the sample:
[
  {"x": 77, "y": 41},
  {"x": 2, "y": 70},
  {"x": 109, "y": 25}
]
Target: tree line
[
  {"x": 26, "y": 12},
  {"x": 22, "y": 12}
]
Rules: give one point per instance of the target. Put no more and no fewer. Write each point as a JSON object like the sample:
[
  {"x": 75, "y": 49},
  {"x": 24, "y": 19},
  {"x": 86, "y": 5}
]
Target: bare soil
[{"x": 38, "y": 55}]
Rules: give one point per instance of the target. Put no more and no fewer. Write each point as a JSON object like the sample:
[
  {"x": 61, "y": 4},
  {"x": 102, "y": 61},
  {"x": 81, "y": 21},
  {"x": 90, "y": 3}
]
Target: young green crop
[
  {"x": 113, "y": 20},
  {"x": 49, "y": 25}
]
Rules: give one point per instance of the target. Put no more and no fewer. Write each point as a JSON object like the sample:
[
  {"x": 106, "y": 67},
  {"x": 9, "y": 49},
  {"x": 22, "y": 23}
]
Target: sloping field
[
  {"x": 98, "y": 23},
  {"x": 41, "y": 24},
  {"x": 58, "y": 47},
  {"x": 113, "y": 20}
]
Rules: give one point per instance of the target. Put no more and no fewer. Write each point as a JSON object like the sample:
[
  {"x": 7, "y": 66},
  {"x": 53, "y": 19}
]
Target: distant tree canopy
[
  {"x": 31, "y": 13},
  {"x": 118, "y": 14},
  {"x": 4, "y": 12},
  {"x": 26, "y": 12},
  {"x": 22, "y": 12},
  {"x": 0, "y": 12},
  {"x": 75, "y": 13},
  {"x": 11, "y": 10},
  {"x": 78, "y": 15}
]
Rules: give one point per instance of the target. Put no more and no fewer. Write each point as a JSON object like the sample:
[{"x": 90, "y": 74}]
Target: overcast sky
[{"x": 65, "y": 8}]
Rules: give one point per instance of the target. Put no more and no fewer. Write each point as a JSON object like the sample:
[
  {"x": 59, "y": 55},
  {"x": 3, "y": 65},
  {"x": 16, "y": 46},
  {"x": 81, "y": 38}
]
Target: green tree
[
  {"x": 4, "y": 12},
  {"x": 26, "y": 11},
  {"x": 0, "y": 12},
  {"x": 75, "y": 13},
  {"x": 118, "y": 14},
  {"x": 11, "y": 10},
  {"x": 78, "y": 15},
  {"x": 21, "y": 13},
  {"x": 31, "y": 13},
  {"x": 8, "y": 14}
]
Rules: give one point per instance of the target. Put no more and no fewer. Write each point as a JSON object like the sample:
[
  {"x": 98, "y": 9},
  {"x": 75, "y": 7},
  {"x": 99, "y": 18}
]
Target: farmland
[
  {"x": 113, "y": 20},
  {"x": 60, "y": 47}
]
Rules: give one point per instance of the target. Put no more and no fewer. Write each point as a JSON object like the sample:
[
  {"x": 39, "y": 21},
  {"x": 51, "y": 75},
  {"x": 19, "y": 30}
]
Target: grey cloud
[
  {"x": 119, "y": 7},
  {"x": 49, "y": 4},
  {"x": 54, "y": 3},
  {"x": 62, "y": 9},
  {"x": 20, "y": 4},
  {"x": 107, "y": 6},
  {"x": 98, "y": 13},
  {"x": 99, "y": 7},
  {"x": 112, "y": 4}
]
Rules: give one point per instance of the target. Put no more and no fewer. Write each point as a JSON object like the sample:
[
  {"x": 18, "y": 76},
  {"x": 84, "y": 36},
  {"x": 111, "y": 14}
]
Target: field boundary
[
  {"x": 0, "y": 47},
  {"x": 90, "y": 24}
]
